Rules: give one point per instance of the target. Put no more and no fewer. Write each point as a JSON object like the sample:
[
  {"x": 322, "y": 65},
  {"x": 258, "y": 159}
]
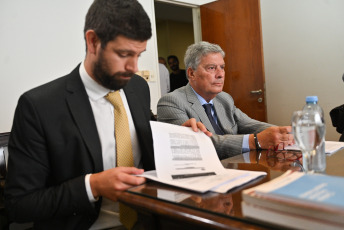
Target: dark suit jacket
[
  {"x": 54, "y": 143},
  {"x": 337, "y": 118}
]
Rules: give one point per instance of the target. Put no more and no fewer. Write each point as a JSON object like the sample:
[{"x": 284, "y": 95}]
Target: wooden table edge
[{"x": 183, "y": 214}]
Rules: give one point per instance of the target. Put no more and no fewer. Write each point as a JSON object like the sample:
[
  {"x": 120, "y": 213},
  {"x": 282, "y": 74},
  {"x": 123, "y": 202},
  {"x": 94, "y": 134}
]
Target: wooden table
[{"x": 165, "y": 207}]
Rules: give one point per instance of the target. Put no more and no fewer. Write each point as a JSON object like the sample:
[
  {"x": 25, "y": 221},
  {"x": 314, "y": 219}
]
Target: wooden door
[{"x": 236, "y": 26}]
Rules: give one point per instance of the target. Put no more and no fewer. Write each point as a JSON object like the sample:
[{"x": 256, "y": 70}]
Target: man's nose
[
  {"x": 131, "y": 65},
  {"x": 220, "y": 72}
]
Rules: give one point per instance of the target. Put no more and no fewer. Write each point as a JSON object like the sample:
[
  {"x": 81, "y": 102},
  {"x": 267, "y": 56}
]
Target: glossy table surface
[{"x": 222, "y": 207}]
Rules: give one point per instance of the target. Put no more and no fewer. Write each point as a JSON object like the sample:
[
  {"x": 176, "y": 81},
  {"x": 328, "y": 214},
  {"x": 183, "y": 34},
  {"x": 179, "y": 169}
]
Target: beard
[
  {"x": 174, "y": 67},
  {"x": 105, "y": 78}
]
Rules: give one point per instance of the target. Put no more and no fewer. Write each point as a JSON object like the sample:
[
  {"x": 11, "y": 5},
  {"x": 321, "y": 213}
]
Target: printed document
[{"x": 188, "y": 159}]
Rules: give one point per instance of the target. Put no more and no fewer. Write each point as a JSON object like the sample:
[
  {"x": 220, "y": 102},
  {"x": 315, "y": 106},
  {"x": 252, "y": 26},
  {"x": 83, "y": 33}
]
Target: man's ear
[
  {"x": 191, "y": 73},
  {"x": 92, "y": 41}
]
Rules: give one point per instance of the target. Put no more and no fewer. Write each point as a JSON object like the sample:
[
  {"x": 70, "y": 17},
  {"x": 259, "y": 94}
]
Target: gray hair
[{"x": 196, "y": 51}]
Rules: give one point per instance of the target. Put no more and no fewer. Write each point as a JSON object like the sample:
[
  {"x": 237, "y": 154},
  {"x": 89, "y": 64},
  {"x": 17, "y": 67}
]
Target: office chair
[
  {"x": 4, "y": 222},
  {"x": 4, "y": 137},
  {"x": 337, "y": 118}
]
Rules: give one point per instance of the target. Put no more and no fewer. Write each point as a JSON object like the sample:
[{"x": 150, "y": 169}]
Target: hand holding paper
[{"x": 188, "y": 159}]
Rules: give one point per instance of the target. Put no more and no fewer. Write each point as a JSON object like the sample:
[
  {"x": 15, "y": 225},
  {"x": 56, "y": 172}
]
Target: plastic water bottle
[{"x": 319, "y": 162}]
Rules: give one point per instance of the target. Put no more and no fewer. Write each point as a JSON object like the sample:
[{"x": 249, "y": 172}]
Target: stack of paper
[
  {"x": 330, "y": 147},
  {"x": 188, "y": 160},
  {"x": 298, "y": 200}
]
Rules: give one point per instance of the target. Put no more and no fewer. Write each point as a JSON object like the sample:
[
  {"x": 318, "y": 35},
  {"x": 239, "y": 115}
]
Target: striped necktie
[{"x": 216, "y": 127}]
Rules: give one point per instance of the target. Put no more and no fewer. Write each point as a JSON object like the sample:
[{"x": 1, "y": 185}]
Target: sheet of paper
[
  {"x": 183, "y": 153},
  {"x": 333, "y": 146},
  {"x": 330, "y": 147},
  {"x": 238, "y": 178},
  {"x": 188, "y": 159},
  {"x": 221, "y": 183}
]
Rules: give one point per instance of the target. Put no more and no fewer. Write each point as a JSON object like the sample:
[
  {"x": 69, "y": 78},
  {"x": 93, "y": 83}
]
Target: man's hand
[
  {"x": 273, "y": 136},
  {"x": 197, "y": 126},
  {"x": 110, "y": 182}
]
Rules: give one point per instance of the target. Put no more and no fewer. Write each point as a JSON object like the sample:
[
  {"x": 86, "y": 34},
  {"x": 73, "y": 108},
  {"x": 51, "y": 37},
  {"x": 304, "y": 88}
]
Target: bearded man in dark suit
[{"x": 62, "y": 170}]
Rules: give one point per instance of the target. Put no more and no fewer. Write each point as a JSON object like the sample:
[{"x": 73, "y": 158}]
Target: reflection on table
[{"x": 187, "y": 209}]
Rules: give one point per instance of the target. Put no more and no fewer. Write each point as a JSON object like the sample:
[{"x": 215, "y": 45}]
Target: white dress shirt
[
  {"x": 103, "y": 112},
  {"x": 164, "y": 79}
]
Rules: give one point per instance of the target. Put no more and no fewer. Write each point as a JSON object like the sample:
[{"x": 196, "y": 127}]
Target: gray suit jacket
[{"x": 183, "y": 104}]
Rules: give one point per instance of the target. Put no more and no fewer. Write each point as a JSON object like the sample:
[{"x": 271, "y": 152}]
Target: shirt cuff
[
  {"x": 246, "y": 144},
  {"x": 247, "y": 157},
  {"x": 88, "y": 189}
]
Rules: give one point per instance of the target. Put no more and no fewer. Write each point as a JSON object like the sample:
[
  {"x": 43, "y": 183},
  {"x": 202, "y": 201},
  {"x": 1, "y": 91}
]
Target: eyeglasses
[{"x": 282, "y": 155}]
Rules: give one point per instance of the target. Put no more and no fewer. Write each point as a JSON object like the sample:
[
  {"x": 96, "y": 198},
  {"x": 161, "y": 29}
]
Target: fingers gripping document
[{"x": 188, "y": 159}]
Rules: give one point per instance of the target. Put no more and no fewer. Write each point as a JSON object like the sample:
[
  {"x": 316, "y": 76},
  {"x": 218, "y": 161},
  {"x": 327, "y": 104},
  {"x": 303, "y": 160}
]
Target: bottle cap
[{"x": 311, "y": 99}]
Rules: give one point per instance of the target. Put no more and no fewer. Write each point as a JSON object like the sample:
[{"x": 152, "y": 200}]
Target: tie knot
[
  {"x": 207, "y": 107},
  {"x": 114, "y": 98}
]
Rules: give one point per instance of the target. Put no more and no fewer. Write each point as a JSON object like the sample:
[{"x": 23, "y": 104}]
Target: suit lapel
[
  {"x": 142, "y": 127},
  {"x": 81, "y": 111},
  {"x": 134, "y": 104},
  {"x": 198, "y": 108},
  {"x": 222, "y": 119}
]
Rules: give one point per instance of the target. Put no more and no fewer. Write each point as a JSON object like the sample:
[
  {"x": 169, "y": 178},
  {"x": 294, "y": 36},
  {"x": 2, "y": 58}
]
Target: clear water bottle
[{"x": 319, "y": 162}]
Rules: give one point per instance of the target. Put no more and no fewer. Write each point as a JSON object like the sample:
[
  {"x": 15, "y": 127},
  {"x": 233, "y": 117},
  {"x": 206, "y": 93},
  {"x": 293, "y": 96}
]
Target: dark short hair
[
  {"x": 172, "y": 56},
  {"x": 111, "y": 18}
]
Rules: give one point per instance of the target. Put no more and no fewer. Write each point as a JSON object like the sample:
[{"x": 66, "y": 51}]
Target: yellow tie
[{"x": 124, "y": 152}]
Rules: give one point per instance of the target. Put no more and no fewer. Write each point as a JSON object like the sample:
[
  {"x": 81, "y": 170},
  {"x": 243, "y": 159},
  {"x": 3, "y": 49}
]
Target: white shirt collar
[{"x": 201, "y": 99}]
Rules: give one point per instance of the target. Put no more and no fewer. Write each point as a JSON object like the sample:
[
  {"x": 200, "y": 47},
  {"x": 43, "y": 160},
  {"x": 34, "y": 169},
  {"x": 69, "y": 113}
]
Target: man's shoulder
[
  {"x": 163, "y": 69},
  {"x": 177, "y": 95},
  {"x": 224, "y": 95},
  {"x": 50, "y": 86},
  {"x": 137, "y": 83},
  {"x": 182, "y": 73},
  {"x": 180, "y": 92},
  {"x": 224, "y": 98},
  {"x": 55, "y": 87}
]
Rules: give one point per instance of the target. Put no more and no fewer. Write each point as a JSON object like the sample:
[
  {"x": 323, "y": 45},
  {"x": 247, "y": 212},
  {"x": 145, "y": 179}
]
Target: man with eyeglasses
[{"x": 203, "y": 99}]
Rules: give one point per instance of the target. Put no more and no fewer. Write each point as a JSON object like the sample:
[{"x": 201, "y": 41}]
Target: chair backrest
[{"x": 4, "y": 137}]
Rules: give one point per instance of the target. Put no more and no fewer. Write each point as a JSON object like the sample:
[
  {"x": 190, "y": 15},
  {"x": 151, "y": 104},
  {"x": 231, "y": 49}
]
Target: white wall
[
  {"x": 303, "y": 43},
  {"x": 149, "y": 59},
  {"x": 43, "y": 40}
]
